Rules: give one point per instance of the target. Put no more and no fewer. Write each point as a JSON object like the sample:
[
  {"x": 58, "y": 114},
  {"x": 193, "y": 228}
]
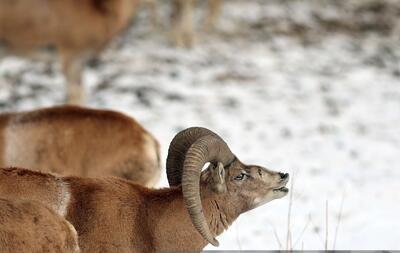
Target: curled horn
[
  {"x": 177, "y": 152},
  {"x": 208, "y": 148}
]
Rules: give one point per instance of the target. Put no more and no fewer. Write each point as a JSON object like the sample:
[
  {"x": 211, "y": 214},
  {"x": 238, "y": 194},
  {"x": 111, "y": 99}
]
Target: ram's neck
[
  {"x": 219, "y": 214},
  {"x": 172, "y": 226}
]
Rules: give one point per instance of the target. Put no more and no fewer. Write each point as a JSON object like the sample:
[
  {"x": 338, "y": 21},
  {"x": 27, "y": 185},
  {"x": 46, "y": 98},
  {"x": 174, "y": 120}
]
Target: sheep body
[
  {"x": 76, "y": 29},
  {"x": 115, "y": 215},
  {"x": 70, "y": 140}
]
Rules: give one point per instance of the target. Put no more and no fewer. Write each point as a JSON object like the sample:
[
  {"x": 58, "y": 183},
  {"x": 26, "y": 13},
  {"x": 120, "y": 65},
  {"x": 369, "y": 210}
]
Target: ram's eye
[{"x": 241, "y": 176}]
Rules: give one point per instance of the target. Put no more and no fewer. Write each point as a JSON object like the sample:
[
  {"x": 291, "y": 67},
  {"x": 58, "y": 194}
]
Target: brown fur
[
  {"x": 30, "y": 227},
  {"x": 77, "y": 29},
  {"x": 182, "y": 20},
  {"x": 71, "y": 140},
  {"x": 114, "y": 215}
]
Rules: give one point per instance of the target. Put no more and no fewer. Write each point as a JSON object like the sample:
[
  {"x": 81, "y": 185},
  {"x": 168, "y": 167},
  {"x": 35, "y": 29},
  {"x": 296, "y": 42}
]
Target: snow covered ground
[{"x": 308, "y": 87}]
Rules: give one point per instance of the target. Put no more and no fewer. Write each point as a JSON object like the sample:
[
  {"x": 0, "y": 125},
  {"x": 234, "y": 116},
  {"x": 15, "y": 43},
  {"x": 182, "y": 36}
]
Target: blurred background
[{"x": 310, "y": 87}]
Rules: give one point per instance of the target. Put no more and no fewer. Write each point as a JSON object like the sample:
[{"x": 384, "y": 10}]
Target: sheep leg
[
  {"x": 214, "y": 8},
  {"x": 182, "y": 23},
  {"x": 175, "y": 22},
  {"x": 3, "y": 51},
  {"x": 187, "y": 23},
  {"x": 72, "y": 68},
  {"x": 152, "y": 8}
]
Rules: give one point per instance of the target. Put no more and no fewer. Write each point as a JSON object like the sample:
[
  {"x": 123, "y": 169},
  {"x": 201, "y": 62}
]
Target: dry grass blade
[
  {"x": 277, "y": 238},
  {"x": 326, "y": 225},
  {"x": 303, "y": 231},
  {"x": 339, "y": 220},
  {"x": 289, "y": 233}
]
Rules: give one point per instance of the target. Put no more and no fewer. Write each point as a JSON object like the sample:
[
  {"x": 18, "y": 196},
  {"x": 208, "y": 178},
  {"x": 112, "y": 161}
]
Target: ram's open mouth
[{"x": 281, "y": 189}]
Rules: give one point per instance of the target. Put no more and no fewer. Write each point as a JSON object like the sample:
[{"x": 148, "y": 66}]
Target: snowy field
[{"x": 307, "y": 87}]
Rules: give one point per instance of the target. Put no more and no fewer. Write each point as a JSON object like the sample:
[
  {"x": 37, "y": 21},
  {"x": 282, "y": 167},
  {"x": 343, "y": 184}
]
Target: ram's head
[{"x": 248, "y": 186}]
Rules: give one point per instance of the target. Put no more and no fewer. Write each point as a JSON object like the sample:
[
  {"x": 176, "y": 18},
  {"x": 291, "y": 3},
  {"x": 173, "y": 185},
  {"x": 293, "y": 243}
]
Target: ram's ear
[{"x": 218, "y": 177}]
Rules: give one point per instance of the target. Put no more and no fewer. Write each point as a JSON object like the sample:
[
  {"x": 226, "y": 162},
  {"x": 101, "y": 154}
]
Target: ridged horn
[
  {"x": 209, "y": 148},
  {"x": 177, "y": 151}
]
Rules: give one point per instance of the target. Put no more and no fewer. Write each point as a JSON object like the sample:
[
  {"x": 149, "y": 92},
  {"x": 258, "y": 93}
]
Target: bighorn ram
[
  {"x": 77, "y": 30},
  {"x": 182, "y": 20},
  {"x": 30, "y": 227},
  {"x": 114, "y": 215},
  {"x": 71, "y": 140}
]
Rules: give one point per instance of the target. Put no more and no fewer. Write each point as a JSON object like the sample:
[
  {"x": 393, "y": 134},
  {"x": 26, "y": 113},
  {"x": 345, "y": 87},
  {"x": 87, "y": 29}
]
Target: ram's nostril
[{"x": 283, "y": 175}]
